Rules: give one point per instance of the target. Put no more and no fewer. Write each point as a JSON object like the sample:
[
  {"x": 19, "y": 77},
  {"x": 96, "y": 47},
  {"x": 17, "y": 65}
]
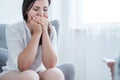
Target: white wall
[{"x": 10, "y": 11}]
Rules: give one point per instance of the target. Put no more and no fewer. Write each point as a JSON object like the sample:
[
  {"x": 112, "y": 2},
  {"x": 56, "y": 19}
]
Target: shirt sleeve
[
  {"x": 14, "y": 45},
  {"x": 53, "y": 39}
]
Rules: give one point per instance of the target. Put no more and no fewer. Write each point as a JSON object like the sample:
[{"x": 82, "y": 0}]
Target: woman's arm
[
  {"x": 27, "y": 56},
  {"x": 49, "y": 56},
  {"x": 21, "y": 57}
]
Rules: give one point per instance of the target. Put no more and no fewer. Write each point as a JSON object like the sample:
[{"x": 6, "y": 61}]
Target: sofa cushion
[
  {"x": 2, "y": 36},
  {"x": 3, "y": 57},
  {"x": 55, "y": 23}
]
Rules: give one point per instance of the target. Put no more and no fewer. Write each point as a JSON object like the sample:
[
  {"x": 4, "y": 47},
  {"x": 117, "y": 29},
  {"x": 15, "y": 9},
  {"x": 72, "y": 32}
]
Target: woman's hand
[
  {"x": 39, "y": 24},
  {"x": 35, "y": 25},
  {"x": 44, "y": 23}
]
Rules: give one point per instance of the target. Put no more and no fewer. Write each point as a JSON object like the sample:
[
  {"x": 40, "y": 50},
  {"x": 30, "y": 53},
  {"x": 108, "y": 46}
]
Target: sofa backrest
[{"x": 3, "y": 38}]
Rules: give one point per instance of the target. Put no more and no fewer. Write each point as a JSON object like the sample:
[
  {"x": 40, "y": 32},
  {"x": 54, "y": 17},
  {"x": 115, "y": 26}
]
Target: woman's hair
[{"x": 26, "y": 6}]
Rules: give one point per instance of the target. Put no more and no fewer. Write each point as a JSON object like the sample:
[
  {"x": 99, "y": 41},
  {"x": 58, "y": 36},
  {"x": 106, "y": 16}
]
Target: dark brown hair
[{"x": 26, "y": 6}]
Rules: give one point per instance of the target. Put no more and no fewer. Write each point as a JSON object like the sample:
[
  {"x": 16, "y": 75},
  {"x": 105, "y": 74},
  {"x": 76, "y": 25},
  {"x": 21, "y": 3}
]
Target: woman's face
[{"x": 39, "y": 8}]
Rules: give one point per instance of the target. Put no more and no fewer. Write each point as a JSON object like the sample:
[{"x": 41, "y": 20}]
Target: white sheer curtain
[
  {"x": 101, "y": 14},
  {"x": 88, "y": 14},
  {"x": 81, "y": 43},
  {"x": 101, "y": 11}
]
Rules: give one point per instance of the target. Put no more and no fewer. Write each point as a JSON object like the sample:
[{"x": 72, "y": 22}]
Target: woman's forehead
[{"x": 41, "y": 3}]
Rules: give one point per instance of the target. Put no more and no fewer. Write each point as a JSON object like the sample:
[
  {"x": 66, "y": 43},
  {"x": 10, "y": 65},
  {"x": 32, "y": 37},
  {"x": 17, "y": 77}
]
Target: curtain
[{"x": 85, "y": 43}]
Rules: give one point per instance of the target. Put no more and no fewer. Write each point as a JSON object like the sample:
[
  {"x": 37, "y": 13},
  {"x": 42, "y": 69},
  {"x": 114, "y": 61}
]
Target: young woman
[{"x": 32, "y": 45}]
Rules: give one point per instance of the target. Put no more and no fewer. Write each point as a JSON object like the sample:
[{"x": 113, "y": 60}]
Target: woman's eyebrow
[
  {"x": 36, "y": 6},
  {"x": 39, "y": 6}
]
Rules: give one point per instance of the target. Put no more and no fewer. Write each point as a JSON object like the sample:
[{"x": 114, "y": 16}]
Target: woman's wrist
[
  {"x": 45, "y": 31},
  {"x": 38, "y": 34}
]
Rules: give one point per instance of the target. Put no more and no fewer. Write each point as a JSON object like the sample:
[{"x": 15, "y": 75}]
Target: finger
[
  {"x": 41, "y": 20},
  {"x": 43, "y": 23},
  {"x": 44, "y": 20},
  {"x": 33, "y": 21},
  {"x": 31, "y": 17},
  {"x": 37, "y": 19}
]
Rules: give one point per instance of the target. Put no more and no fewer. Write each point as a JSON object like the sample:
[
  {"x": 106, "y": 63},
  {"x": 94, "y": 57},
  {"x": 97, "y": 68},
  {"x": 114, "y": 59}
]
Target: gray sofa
[{"x": 67, "y": 68}]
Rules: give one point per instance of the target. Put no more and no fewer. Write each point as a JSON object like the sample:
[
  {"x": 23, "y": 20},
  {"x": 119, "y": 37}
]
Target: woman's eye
[
  {"x": 35, "y": 9},
  {"x": 45, "y": 10}
]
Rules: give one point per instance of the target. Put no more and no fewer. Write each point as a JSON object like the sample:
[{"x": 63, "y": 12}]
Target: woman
[{"x": 32, "y": 45}]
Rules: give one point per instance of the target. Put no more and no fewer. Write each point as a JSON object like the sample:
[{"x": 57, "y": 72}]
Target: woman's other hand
[
  {"x": 44, "y": 23},
  {"x": 35, "y": 25}
]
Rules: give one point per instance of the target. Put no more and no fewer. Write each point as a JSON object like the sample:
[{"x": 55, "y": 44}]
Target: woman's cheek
[
  {"x": 31, "y": 15},
  {"x": 46, "y": 16}
]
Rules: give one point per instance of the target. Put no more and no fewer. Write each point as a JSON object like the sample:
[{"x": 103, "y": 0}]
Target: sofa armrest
[
  {"x": 3, "y": 57},
  {"x": 68, "y": 70}
]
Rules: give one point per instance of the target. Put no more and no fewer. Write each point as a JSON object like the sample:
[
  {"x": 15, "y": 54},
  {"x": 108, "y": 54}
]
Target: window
[{"x": 94, "y": 14}]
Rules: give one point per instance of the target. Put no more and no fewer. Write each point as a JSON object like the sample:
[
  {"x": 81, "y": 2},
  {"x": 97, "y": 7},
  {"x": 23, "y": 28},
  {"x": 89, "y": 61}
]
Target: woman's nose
[{"x": 40, "y": 13}]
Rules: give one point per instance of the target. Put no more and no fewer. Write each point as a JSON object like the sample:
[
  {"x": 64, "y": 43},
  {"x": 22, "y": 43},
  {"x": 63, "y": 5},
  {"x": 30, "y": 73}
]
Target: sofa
[{"x": 67, "y": 68}]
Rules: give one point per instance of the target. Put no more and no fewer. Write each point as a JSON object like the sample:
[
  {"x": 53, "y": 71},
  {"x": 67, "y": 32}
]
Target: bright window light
[
  {"x": 101, "y": 11},
  {"x": 94, "y": 14}
]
